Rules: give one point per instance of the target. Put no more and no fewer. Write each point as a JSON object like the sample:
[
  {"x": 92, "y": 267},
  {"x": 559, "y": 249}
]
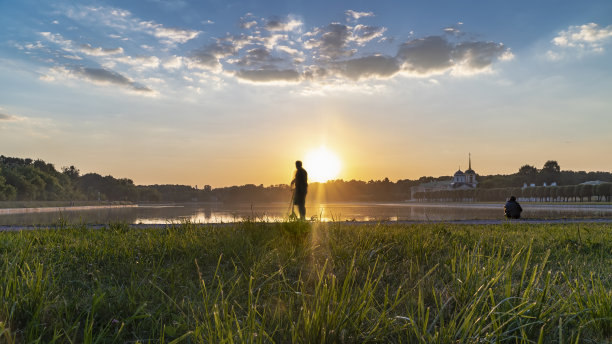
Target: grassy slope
[{"x": 308, "y": 283}]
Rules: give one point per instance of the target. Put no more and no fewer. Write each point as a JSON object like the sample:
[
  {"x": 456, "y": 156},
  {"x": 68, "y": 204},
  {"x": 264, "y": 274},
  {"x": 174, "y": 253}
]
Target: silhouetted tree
[
  {"x": 528, "y": 170},
  {"x": 551, "y": 166}
]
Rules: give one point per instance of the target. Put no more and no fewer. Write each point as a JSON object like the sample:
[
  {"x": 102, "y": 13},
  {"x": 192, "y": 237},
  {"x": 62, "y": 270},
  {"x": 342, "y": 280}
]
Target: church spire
[{"x": 470, "y": 158}]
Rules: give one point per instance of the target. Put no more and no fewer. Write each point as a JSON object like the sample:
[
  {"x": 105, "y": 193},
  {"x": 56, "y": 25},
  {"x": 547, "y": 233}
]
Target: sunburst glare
[{"x": 322, "y": 165}]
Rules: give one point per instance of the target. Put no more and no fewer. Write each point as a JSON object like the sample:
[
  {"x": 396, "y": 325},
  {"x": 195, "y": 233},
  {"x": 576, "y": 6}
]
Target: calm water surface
[{"x": 220, "y": 213}]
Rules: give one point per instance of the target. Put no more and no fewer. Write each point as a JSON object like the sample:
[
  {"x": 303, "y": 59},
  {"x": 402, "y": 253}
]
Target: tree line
[
  {"x": 567, "y": 193},
  {"x": 36, "y": 180}
]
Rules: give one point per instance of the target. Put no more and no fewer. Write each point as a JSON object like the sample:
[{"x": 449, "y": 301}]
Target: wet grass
[{"x": 308, "y": 283}]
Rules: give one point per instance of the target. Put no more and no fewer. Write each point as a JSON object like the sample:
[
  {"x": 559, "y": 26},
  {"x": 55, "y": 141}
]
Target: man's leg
[{"x": 302, "y": 209}]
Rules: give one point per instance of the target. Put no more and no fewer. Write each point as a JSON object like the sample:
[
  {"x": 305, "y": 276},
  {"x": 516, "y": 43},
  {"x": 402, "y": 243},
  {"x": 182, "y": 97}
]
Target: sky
[{"x": 233, "y": 92}]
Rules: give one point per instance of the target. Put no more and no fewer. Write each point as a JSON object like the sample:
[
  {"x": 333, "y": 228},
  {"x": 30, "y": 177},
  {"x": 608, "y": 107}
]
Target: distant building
[
  {"x": 592, "y": 182},
  {"x": 461, "y": 181},
  {"x": 465, "y": 180},
  {"x": 532, "y": 185},
  {"x": 207, "y": 188}
]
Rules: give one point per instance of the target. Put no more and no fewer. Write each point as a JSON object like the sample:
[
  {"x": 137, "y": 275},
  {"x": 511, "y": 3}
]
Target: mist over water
[{"x": 200, "y": 213}]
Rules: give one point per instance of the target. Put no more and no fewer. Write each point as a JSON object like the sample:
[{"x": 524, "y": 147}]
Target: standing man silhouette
[{"x": 300, "y": 182}]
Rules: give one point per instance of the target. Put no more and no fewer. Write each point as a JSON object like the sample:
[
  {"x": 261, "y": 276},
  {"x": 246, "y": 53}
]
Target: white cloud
[
  {"x": 364, "y": 33},
  {"x": 139, "y": 62},
  {"x": 99, "y": 51},
  {"x": 123, "y": 20},
  {"x": 354, "y": 15},
  {"x": 288, "y": 50},
  {"x": 588, "y": 37},
  {"x": 174, "y": 35},
  {"x": 269, "y": 75},
  {"x": 173, "y": 62},
  {"x": 58, "y": 39}
]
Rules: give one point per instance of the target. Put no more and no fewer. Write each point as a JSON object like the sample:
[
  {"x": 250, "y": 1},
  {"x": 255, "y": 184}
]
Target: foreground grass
[{"x": 308, "y": 283}]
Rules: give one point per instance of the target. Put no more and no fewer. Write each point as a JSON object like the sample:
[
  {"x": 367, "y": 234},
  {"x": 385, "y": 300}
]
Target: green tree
[
  {"x": 551, "y": 166},
  {"x": 586, "y": 190},
  {"x": 528, "y": 170}
]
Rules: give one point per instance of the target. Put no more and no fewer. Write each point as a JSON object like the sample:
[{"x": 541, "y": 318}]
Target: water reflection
[{"x": 207, "y": 213}]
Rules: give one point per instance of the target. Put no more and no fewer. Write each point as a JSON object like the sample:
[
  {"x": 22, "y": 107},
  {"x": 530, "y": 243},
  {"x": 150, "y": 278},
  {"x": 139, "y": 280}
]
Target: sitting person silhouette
[
  {"x": 300, "y": 182},
  {"x": 512, "y": 209}
]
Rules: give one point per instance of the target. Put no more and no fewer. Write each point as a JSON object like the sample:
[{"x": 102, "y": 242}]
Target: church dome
[
  {"x": 470, "y": 171},
  {"x": 459, "y": 173}
]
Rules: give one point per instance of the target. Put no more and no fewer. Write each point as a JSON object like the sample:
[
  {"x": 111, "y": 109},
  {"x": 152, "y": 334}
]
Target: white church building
[{"x": 464, "y": 180}]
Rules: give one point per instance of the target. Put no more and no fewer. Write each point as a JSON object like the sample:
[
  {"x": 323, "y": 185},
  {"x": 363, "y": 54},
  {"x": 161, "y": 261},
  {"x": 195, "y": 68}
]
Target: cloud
[
  {"x": 99, "y": 51},
  {"x": 123, "y": 20},
  {"x": 333, "y": 41},
  {"x": 434, "y": 54},
  {"x": 173, "y": 62},
  {"x": 426, "y": 55},
  {"x": 588, "y": 37},
  {"x": 375, "y": 66},
  {"x": 104, "y": 76},
  {"x": 257, "y": 57},
  {"x": 354, "y": 15},
  {"x": 248, "y": 21},
  {"x": 277, "y": 50},
  {"x": 174, "y": 35},
  {"x": 269, "y": 75},
  {"x": 479, "y": 55},
  {"x": 288, "y": 50},
  {"x": 288, "y": 24},
  {"x": 138, "y": 62},
  {"x": 209, "y": 56},
  {"x": 57, "y": 39},
  {"x": 8, "y": 118},
  {"x": 97, "y": 76},
  {"x": 364, "y": 33}
]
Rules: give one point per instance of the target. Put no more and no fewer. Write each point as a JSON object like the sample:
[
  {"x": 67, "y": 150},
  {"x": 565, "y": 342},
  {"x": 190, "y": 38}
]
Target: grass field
[{"x": 308, "y": 283}]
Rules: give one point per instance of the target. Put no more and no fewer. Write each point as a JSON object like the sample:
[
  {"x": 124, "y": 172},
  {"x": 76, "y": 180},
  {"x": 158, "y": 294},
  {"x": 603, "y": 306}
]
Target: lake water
[{"x": 218, "y": 213}]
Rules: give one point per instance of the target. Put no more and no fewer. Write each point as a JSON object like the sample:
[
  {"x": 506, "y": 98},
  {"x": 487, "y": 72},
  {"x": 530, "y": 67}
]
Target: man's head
[
  {"x": 512, "y": 199},
  {"x": 298, "y": 164}
]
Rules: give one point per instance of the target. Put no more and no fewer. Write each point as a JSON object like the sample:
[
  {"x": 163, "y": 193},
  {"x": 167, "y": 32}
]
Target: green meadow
[{"x": 308, "y": 283}]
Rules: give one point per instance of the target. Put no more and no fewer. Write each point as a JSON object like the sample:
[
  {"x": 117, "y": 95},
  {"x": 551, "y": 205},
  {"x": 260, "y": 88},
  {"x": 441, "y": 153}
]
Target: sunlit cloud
[
  {"x": 99, "y": 51},
  {"x": 173, "y": 62},
  {"x": 57, "y": 39},
  {"x": 268, "y": 75},
  {"x": 124, "y": 20},
  {"x": 354, "y": 15},
  {"x": 435, "y": 55},
  {"x": 138, "y": 62},
  {"x": 248, "y": 21},
  {"x": 273, "y": 50},
  {"x": 589, "y": 37}
]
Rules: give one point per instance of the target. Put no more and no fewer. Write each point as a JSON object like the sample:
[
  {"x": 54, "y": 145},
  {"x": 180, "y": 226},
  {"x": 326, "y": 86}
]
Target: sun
[{"x": 322, "y": 165}]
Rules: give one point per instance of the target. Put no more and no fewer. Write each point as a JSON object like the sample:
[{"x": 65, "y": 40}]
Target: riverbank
[
  {"x": 10, "y": 211},
  {"x": 567, "y": 221},
  {"x": 56, "y": 204},
  {"x": 308, "y": 282}
]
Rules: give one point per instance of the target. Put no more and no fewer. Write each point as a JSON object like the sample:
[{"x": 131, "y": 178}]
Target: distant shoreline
[
  {"x": 10, "y": 228},
  {"x": 11, "y": 211}
]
